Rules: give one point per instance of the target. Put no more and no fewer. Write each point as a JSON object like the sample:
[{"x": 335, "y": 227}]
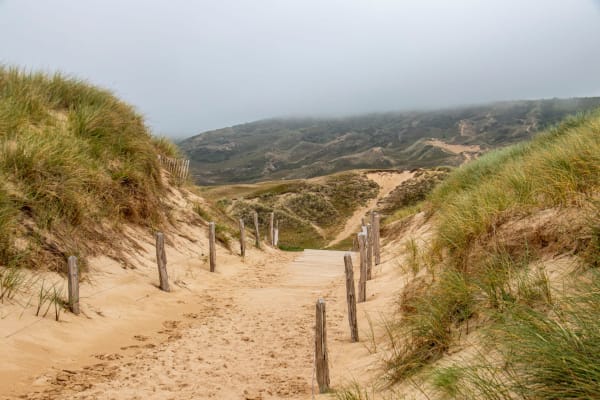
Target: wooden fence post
[
  {"x": 351, "y": 297},
  {"x": 369, "y": 250},
  {"x": 362, "y": 282},
  {"x": 73, "y": 278},
  {"x": 321, "y": 357},
  {"x": 161, "y": 259},
  {"x": 272, "y": 229},
  {"x": 276, "y": 234},
  {"x": 256, "y": 232},
  {"x": 211, "y": 246},
  {"x": 242, "y": 238},
  {"x": 376, "y": 238}
]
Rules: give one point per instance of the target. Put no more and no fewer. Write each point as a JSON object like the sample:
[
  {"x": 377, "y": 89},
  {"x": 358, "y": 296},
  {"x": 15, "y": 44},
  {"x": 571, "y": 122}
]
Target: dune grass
[
  {"x": 486, "y": 278},
  {"x": 558, "y": 168},
  {"x": 551, "y": 354},
  {"x": 72, "y": 157}
]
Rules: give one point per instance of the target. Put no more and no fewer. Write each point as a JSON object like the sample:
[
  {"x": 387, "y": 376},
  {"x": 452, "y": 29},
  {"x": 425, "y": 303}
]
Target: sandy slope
[
  {"x": 387, "y": 182},
  {"x": 247, "y": 334},
  {"x": 244, "y": 332}
]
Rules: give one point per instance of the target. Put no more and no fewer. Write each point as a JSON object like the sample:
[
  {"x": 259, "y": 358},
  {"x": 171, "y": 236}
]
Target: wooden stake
[
  {"x": 351, "y": 297},
  {"x": 256, "y": 232},
  {"x": 369, "y": 250},
  {"x": 376, "y": 238},
  {"x": 272, "y": 229},
  {"x": 211, "y": 246},
  {"x": 276, "y": 233},
  {"x": 321, "y": 357},
  {"x": 242, "y": 238},
  {"x": 187, "y": 168},
  {"x": 362, "y": 282},
  {"x": 73, "y": 278},
  {"x": 161, "y": 259}
]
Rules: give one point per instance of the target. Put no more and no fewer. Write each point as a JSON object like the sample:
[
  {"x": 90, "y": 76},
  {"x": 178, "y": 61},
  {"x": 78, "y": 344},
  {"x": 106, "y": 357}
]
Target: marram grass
[
  {"x": 545, "y": 346},
  {"x": 73, "y": 157}
]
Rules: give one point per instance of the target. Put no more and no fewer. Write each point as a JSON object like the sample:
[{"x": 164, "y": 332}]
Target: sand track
[
  {"x": 243, "y": 332},
  {"x": 249, "y": 336},
  {"x": 387, "y": 182}
]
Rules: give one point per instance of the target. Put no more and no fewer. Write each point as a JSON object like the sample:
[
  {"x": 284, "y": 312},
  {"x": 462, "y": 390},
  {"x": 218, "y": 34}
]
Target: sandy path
[
  {"x": 250, "y": 337},
  {"x": 387, "y": 182}
]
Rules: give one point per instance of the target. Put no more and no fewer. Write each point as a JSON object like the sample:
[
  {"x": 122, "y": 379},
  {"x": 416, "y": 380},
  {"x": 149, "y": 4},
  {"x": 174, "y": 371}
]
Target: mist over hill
[{"x": 289, "y": 148}]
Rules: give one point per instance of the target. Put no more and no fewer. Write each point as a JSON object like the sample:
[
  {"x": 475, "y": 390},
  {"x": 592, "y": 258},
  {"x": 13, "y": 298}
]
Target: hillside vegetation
[
  {"x": 309, "y": 211},
  {"x": 75, "y": 163},
  {"x": 514, "y": 257},
  {"x": 303, "y": 147}
]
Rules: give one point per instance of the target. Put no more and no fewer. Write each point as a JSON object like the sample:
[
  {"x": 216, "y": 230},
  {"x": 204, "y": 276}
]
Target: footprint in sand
[{"x": 109, "y": 357}]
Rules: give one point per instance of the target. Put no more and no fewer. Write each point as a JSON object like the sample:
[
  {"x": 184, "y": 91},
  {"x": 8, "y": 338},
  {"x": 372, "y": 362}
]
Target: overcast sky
[{"x": 189, "y": 66}]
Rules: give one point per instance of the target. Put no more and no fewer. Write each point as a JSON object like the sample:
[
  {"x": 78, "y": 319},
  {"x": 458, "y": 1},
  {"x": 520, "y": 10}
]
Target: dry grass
[
  {"x": 75, "y": 163},
  {"x": 494, "y": 218},
  {"x": 559, "y": 168}
]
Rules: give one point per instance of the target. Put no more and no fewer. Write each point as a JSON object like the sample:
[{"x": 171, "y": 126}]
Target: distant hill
[{"x": 308, "y": 147}]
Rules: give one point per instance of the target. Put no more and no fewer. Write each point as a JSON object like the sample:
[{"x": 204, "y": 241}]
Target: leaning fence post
[
  {"x": 362, "y": 282},
  {"x": 161, "y": 259},
  {"x": 211, "y": 246},
  {"x": 73, "y": 278},
  {"x": 369, "y": 250},
  {"x": 256, "y": 232},
  {"x": 376, "y": 238},
  {"x": 351, "y": 297},
  {"x": 321, "y": 357},
  {"x": 242, "y": 238}
]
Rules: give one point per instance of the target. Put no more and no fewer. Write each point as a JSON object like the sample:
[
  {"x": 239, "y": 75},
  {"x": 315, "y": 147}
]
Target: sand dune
[
  {"x": 243, "y": 332},
  {"x": 387, "y": 181}
]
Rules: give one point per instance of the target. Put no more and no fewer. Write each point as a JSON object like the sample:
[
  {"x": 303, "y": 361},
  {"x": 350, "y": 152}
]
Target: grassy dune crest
[
  {"x": 498, "y": 221},
  {"x": 559, "y": 168},
  {"x": 75, "y": 161}
]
